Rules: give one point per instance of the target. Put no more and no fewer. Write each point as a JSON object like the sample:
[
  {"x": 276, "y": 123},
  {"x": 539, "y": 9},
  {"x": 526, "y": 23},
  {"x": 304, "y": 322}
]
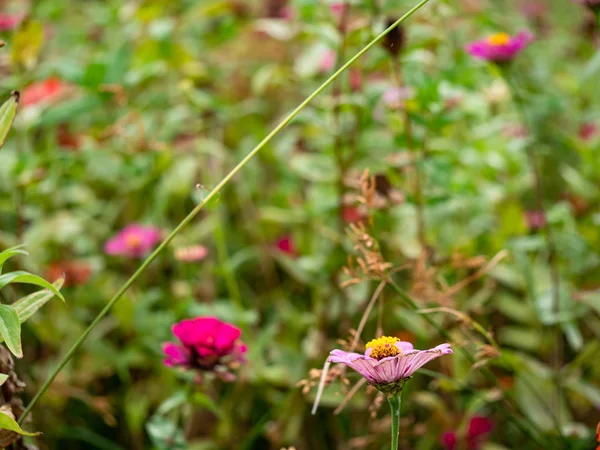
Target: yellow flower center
[
  {"x": 133, "y": 241},
  {"x": 383, "y": 347},
  {"x": 499, "y": 39}
]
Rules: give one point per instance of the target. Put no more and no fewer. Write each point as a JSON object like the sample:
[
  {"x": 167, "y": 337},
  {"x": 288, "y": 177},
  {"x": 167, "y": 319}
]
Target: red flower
[
  {"x": 287, "y": 245},
  {"x": 479, "y": 427},
  {"x": 587, "y": 131},
  {"x": 42, "y": 91},
  {"x": 351, "y": 214},
  {"x": 75, "y": 272}
]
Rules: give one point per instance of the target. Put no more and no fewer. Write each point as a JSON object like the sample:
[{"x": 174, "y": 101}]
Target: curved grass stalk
[{"x": 201, "y": 205}]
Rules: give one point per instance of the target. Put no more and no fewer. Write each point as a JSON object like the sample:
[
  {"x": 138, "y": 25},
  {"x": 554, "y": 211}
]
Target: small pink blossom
[
  {"x": 193, "y": 253},
  {"x": 535, "y": 219},
  {"x": 388, "y": 362},
  {"x": 133, "y": 241},
  {"x": 287, "y": 245},
  {"x": 327, "y": 61},
  {"x": 472, "y": 439},
  {"x": 206, "y": 344},
  {"x": 587, "y": 131},
  {"x": 338, "y": 9},
  {"x": 352, "y": 214},
  {"x": 355, "y": 79},
  {"x": 395, "y": 97},
  {"x": 500, "y": 47},
  {"x": 9, "y": 21}
]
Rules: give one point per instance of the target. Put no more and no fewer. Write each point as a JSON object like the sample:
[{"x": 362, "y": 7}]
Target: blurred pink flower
[
  {"x": 449, "y": 440},
  {"x": 388, "y": 362},
  {"x": 288, "y": 13},
  {"x": 355, "y": 79},
  {"x": 395, "y": 97},
  {"x": 478, "y": 428},
  {"x": 43, "y": 91},
  {"x": 535, "y": 220},
  {"x": 75, "y": 272},
  {"x": 327, "y": 61},
  {"x": 587, "y": 131},
  {"x": 193, "y": 253},
  {"x": 133, "y": 241},
  {"x": 287, "y": 245},
  {"x": 9, "y": 21},
  {"x": 352, "y": 214},
  {"x": 500, "y": 47},
  {"x": 338, "y": 9},
  {"x": 206, "y": 344}
]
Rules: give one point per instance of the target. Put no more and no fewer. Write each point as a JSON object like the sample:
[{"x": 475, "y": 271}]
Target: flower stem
[
  {"x": 395, "y": 402},
  {"x": 63, "y": 362}
]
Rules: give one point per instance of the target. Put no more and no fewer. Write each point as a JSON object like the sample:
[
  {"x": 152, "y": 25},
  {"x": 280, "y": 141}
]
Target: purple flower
[
  {"x": 388, "y": 362},
  {"x": 133, "y": 241},
  {"x": 500, "y": 47},
  {"x": 205, "y": 344}
]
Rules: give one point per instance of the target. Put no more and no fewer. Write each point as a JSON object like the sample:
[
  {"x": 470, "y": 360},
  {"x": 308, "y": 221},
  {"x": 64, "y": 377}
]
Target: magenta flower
[
  {"x": 133, "y": 241},
  {"x": 500, "y": 47},
  {"x": 206, "y": 344},
  {"x": 475, "y": 435},
  {"x": 9, "y": 21},
  {"x": 388, "y": 362}
]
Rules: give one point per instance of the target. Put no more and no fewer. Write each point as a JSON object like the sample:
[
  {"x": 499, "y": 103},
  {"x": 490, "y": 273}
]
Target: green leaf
[
  {"x": 28, "y": 306},
  {"x": 8, "y": 423},
  {"x": 8, "y": 111},
  {"x": 3, "y": 378},
  {"x": 9, "y": 253},
  {"x": 27, "y": 278},
  {"x": 10, "y": 329}
]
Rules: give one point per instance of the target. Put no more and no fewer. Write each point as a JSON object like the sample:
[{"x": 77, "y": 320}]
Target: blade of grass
[{"x": 201, "y": 205}]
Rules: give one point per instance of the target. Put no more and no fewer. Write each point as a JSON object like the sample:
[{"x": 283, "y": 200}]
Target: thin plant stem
[
  {"x": 63, "y": 362},
  {"x": 395, "y": 402}
]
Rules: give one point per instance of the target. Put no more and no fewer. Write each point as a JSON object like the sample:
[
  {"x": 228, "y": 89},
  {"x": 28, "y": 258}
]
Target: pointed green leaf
[
  {"x": 9, "y": 253},
  {"x": 10, "y": 329},
  {"x": 3, "y": 378},
  {"x": 28, "y": 278},
  {"x": 28, "y": 306},
  {"x": 8, "y": 111},
  {"x": 8, "y": 423}
]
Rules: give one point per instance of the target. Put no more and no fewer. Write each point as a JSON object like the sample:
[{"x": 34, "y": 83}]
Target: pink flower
[
  {"x": 396, "y": 97},
  {"x": 449, "y": 440},
  {"x": 500, "y": 47},
  {"x": 327, "y": 61},
  {"x": 587, "y": 131},
  {"x": 287, "y": 245},
  {"x": 352, "y": 214},
  {"x": 133, "y": 241},
  {"x": 355, "y": 79},
  {"x": 43, "y": 91},
  {"x": 9, "y": 21},
  {"x": 535, "y": 219},
  {"x": 205, "y": 344},
  {"x": 388, "y": 362},
  {"x": 191, "y": 254},
  {"x": 479, "y": 427},
  {"x": 338, "y": 9}
]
